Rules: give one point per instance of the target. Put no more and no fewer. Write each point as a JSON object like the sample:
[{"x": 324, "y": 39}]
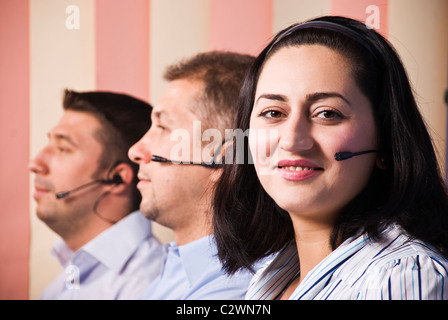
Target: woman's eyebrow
[
  {"x": 311, "y": 97},
  {"x": 316, "y": 96},
  {"x": 271, "y": 96}
]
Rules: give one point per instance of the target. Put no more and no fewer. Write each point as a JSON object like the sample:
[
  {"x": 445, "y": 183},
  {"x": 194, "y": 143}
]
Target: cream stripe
[
  {"x": 178, "y": 29},
  {"x": 287, "y": 12},
  {"x": 419, "y": 32},
  {"x": 60, "y": 58}
]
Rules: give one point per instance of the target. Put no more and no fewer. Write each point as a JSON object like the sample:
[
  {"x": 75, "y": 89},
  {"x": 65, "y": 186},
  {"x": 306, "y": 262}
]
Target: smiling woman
[
  {"x": 362, "y": 228},
  {"x": 321, "y": 111}
]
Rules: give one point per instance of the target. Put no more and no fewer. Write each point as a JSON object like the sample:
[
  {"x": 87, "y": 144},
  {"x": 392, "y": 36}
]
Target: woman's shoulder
[
  {"x": 401, "y": 267},
  {"x": 397, "y": 244}
]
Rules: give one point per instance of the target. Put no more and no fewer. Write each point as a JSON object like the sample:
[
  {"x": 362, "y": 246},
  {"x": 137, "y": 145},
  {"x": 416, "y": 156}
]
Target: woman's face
[{"x": 308, "y": 107}]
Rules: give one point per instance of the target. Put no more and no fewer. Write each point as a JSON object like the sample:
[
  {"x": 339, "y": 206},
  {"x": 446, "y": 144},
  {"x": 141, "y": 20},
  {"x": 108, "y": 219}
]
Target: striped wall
[
  {"x": 124, "y": 46},
  {"x": 15, "y": 149}
]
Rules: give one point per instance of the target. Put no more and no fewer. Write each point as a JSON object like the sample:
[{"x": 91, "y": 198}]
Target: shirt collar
[
  {"x": 269, "y": 283},
  {"x": 122, "y": 239},
  {"x": 114, "y": 246},
  {"x": 62, "y": 253},
  {"x": 198, "y": 257}
]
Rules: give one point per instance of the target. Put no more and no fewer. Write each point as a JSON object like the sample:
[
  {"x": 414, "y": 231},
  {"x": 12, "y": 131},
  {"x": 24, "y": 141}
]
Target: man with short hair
[
  {"x": 85, "y": 189},
  {"x": 176, "y": 181}
]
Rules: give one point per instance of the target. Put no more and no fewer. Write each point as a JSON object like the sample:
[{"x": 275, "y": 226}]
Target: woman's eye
[
  {"x": 329, "y": 115},
  {"x": 271, "y": 114}
]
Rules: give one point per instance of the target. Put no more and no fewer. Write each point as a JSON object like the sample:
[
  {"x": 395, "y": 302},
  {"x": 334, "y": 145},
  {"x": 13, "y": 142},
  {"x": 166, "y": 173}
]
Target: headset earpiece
[{"x": 116, "y": 179}]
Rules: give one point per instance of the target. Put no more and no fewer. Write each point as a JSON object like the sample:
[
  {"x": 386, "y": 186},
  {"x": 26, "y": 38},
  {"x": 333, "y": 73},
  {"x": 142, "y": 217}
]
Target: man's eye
[{"x": 62, "y": 149}]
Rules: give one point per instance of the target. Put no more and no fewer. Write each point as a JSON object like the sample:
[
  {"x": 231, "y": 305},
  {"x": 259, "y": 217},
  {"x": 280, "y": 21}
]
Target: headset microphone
[
  {"x": 115, "y": 180},
  {"x": 339, "y": 156},
  {"x": 204, "y": 164}
]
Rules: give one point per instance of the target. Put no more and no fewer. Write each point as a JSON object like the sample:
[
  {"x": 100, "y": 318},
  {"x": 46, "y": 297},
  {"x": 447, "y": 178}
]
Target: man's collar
[
  {"x": 114, "y": 246},
  {"x": 198, "y": 257}
]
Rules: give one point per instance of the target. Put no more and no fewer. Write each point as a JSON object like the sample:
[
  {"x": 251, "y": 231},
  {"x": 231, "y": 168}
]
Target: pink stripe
[
  {"x": 242, "y": 26},
  {"x": 14, "y": 143},
  {"x": 122, "y": 46},
  {"x": 365, "y": 11}
]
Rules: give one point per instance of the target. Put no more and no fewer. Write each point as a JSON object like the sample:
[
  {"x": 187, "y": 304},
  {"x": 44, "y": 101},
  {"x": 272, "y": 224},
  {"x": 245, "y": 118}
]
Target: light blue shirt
[
  {"x": 117, "y": 264},
  {"x": 397, "y": 267},
  {"x": 193, "y": 271}
]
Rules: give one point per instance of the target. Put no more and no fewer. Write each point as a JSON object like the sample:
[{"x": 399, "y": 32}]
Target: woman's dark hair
[{"x": 249, "y": 225}]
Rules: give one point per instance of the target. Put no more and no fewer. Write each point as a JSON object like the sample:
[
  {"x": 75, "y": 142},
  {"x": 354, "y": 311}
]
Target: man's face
[
  {"x": 70, "y": 159},
  {"x": 172, "y": 194}
]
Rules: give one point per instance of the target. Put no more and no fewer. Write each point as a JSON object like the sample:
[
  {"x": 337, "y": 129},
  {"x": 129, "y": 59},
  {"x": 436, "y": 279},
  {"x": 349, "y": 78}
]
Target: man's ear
[
  {"x": 224, "y": 157},
  {"x": 226, "y": 153},
  {"x": 121, "y": 176}
]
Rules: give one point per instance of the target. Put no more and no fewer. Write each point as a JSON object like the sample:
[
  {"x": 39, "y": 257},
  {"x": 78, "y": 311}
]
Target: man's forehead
[
  {"x": 59, "y": 134},
  {"x": 75, "y": 126},
  {"x": 73, "y": 118},
  {"x": 173, "y": 113},
  {"x": 179, "y": 98}
]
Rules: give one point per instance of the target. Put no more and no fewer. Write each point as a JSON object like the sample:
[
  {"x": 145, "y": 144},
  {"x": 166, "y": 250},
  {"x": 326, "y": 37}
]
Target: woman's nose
[{"x": 296, "y": 135}]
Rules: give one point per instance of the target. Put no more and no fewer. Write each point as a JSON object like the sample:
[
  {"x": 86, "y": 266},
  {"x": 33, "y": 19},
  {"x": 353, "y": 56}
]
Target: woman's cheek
[{"x": 263, "y": 144}]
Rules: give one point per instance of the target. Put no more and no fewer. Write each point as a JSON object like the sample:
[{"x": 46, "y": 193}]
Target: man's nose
[
  {"x": 139, "y": 152},
  {"x": 38, "y": 164}
]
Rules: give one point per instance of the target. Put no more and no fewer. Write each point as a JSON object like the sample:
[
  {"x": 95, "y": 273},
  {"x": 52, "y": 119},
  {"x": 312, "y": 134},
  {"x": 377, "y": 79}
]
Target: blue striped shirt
[{"x": 396, "y": 267}]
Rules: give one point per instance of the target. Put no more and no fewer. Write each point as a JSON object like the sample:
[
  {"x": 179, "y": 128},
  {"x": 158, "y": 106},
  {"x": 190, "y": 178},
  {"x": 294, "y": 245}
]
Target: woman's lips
[{"x": 298, "y": 170}]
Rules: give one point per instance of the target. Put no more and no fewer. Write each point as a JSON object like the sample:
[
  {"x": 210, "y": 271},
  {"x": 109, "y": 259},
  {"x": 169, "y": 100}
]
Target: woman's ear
[{"x": 381, "y": 162}]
